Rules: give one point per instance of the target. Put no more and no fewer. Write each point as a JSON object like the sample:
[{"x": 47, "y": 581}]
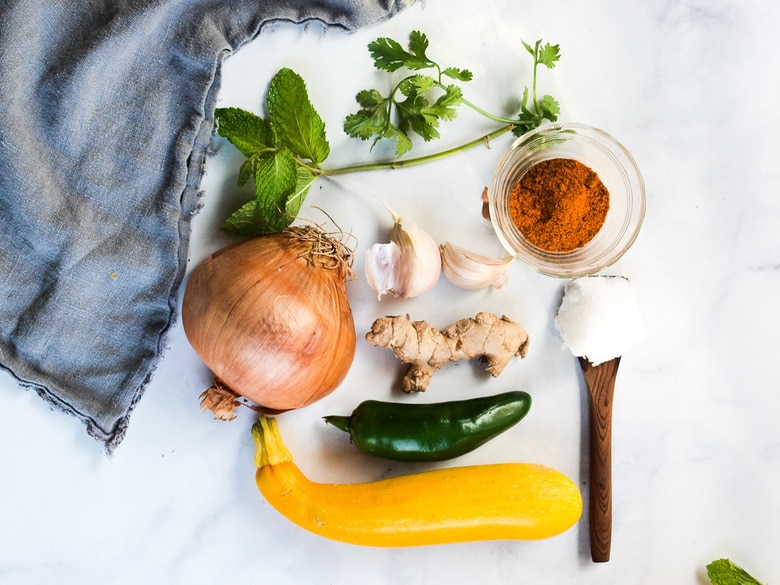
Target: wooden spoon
[{"x": 600, "y": 381}]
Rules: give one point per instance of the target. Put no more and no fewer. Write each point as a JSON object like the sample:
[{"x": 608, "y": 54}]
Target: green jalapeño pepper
[{"x": 430, "y": 432}]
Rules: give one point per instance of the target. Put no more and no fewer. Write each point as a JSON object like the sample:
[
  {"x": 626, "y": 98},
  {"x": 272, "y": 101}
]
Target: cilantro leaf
[
  {"x": 403, "y": 143},
  {"x": 549, "y": 55},
  {"x": 389, "y": 55},
  {"x": 296, "y": 123},
  {"x": 418, "y": 45},
  {"x": 531, "y": 49},
  {"x": 417, "y": 84},
  {"x": 371, "y": 119},
  {"x": 458, "y": 74},
  {"x": 248, "y": 132},
  {"x": 444, "y": 107},
  {"x": 549, "y": 108},
  {"x": 724, "y": 572}
]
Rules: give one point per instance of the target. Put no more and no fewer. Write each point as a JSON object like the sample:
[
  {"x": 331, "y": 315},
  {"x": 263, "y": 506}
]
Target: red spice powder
[{"x": 559, "y": 205}]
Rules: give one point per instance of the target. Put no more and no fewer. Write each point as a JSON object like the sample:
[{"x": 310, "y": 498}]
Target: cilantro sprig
[
  {"x": 410, "y": 108},
  {"x": 285, "y": 150},
  {"x": 414, "y": 110}
]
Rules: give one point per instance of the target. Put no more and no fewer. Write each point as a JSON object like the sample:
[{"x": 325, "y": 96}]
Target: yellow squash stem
[{"x": 479, "y": 502}]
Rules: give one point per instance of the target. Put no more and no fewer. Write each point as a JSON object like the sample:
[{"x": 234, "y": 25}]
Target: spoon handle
[{"x": 600, "y": 381}]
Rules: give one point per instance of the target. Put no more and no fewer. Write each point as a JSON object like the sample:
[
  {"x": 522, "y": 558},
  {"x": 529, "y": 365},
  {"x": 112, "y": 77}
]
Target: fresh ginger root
[{"x": 425, "y": 349}]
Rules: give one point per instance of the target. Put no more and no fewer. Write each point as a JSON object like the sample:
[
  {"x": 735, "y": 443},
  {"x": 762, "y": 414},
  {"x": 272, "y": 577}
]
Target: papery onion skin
[{"x": 270, "y": 321}]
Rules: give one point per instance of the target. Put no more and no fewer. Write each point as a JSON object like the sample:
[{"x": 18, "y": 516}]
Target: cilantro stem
[
  {"x": 397, "y": 164},
  {"x": 488, "y": 115}
]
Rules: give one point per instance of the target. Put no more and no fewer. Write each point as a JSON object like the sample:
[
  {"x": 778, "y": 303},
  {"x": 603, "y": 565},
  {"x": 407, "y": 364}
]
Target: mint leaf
[
  {"x": 248, "y": 220},
  {"x": 276, "y": 179},
  {"x": 246, "y": 131},
  {"x": 254, "y": 218},
  {"x": 303, "y": 183},
  {"x": 724, "y": 572},
  {"x": 246, "y": 170},
  {"x": 296, "y": 123}
]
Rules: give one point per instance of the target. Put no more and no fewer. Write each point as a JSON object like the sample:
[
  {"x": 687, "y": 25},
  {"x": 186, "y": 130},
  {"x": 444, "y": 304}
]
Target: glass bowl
[{"x": 615, "y": 167}]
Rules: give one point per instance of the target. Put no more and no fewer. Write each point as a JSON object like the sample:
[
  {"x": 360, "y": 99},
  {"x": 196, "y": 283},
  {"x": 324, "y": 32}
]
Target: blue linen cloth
[{"x": 106, "y": 113}]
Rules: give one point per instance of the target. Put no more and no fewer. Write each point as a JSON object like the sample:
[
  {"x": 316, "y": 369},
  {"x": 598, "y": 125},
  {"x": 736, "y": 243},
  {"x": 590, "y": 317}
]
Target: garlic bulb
[
  {"x": 470, "y": 270},
  {"x": 407, "y": 266}
]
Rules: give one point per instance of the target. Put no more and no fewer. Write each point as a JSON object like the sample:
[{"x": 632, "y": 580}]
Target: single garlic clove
[
  {"x": 383, "y": 268},
  {"x": 470, "y": 270},
  {"x": 407, "y": 266}
]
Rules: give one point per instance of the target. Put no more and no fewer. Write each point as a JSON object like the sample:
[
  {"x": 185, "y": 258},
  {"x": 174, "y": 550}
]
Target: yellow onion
[{"x": 270, "y": 317}]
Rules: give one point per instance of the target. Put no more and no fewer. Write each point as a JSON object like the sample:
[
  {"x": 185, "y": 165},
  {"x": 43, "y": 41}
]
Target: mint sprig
[{"x": 285, "y": 151}]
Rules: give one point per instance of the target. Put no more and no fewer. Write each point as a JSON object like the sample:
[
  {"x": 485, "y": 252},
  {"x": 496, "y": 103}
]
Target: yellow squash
[{"x": 478, "y": 502}]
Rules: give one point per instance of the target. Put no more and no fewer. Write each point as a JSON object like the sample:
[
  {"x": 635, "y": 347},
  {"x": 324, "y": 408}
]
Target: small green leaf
[
  {"x": 524, "y": 102},
  {"x": 549, "y": 55},
  {"x": 420, "y": 84},
  {"x": 403, "y": 143},
  {"x": 371, "y": 119},
  {"x": 248, "y": 132},
  {"x": 458, "y": 74},
  {"x": 275, "y": 178},
  {"x": 370, "y": 98},
  {"x": 388, "y": 54},
  {"x": 248, "y": 220},
  {"x": 724, "y": 572},
  {"x": 295, "y": 121},
  {"x": 444, "y": 107},
  {"x": 304, "y": 181},
  {"x": 418, "y": 46},
  {"x": 275, "y": 181},
  {"x": 256, "y": 217},
  {"x": 531, "y": 49},
  {"x": 246, "y": 170},
  {"x": 549, "y": 108},
  {"x": 424, "y": 126}
]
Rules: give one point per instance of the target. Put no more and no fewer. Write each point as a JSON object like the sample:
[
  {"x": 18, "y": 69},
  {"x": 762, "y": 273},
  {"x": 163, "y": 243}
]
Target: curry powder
[{"x": 559, "y": 204}]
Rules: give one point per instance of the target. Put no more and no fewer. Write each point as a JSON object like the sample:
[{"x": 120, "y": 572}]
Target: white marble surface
[{"x": 689, "y": 88}]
